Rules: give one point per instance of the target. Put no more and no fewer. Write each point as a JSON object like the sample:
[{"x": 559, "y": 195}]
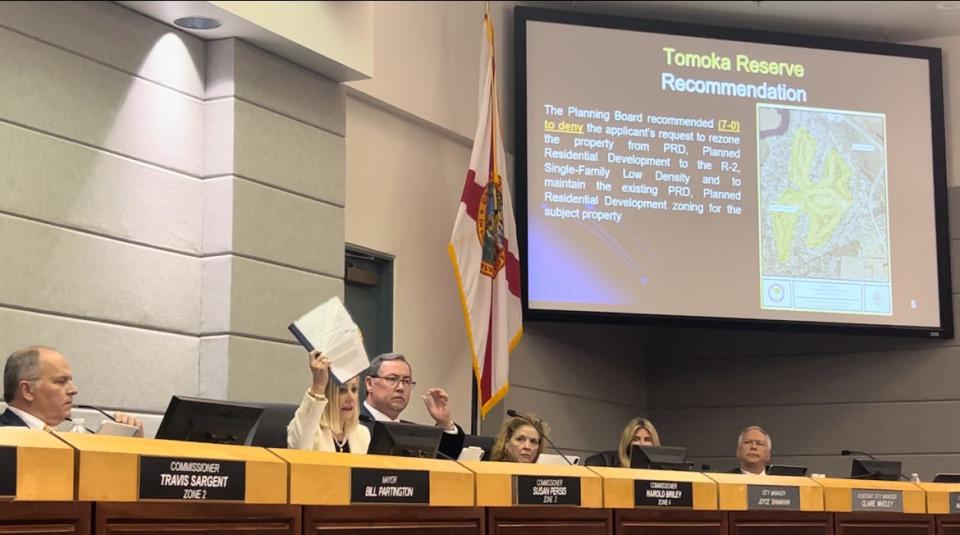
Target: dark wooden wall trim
[
  {"x": 393, "y": 520},
  {"x": 61, "y": 518}
]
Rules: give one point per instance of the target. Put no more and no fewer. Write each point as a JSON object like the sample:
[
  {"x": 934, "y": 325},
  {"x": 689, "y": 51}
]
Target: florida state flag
[{"x": 483, "y": 247}]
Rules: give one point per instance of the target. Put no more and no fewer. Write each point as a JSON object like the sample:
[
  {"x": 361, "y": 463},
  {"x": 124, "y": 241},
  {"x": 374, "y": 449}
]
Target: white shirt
[
  {"x": 381, "y": 417},
  {"x": 763, "y": 473},
  {"x": 32, "y": 421}
]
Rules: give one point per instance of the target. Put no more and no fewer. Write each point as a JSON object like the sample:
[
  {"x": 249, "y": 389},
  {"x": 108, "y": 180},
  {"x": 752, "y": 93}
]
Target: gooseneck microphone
[
  {"x": 101, "y": 411},
  {"x": 536, "y": 425},
  {"x": 855, "y": 452},
  {"x": 871, "y": 472}
]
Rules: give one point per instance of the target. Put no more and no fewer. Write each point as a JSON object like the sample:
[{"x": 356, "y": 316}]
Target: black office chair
[
  {"x": 603, "y": 458},
  {"x": 272, "y": 431}
]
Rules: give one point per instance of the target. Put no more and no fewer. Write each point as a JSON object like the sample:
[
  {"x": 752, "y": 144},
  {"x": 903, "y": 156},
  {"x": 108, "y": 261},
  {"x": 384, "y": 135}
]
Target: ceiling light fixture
[
  {"x": 197, "y": 23},
  {"x": 948, "y": 5}
]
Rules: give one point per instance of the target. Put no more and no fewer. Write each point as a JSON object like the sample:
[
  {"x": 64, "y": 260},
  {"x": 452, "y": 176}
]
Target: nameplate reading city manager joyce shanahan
[{"x": 177, "y": 478}]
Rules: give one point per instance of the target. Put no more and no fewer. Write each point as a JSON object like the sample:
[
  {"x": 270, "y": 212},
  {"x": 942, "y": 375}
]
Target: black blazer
[
  {"x": 10, "y": 419},
  {"x": 450, "y": 444}
]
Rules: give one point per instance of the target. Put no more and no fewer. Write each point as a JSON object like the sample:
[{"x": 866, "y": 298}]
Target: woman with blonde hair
[
  {"x": 328, "y": 416},
  {"x": 638, "y": 432},
  {"x": 520, "y": 439}
]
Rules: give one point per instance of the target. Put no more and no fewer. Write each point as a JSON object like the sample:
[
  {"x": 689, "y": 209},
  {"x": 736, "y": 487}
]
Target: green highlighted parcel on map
[{"x": 824, "y": 218}]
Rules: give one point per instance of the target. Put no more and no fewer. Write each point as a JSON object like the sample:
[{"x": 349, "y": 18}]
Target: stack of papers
[{"x": 330, "y": 329}]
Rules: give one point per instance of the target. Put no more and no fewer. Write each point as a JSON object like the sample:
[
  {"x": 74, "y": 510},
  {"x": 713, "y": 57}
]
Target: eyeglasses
[{"x": 393, "y": 380}]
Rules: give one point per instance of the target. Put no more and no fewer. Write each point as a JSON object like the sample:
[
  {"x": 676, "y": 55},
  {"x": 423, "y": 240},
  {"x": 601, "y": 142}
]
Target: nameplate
[
  {"x": 954, "y": 503},
  {"x": 877, "y": 500},
  {"x": 374, "y": 485},
  {"x": 178, "y": 478},
  {"x": 784, "y": 498},
  {"x": 8, "y": 471},
  {"x": 546, "y": 490},
  {"x": 648, "y": 493}
]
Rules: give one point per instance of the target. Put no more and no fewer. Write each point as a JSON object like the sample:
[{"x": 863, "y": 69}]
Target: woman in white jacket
[{"x": 328, "y": 417}]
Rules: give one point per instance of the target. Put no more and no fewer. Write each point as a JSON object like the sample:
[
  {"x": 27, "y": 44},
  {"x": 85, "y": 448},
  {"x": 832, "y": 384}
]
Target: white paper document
[{"x": 330, "y": 329}]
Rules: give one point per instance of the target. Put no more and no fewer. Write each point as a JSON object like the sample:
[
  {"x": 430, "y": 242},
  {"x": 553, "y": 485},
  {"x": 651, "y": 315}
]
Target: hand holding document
[{"x": 330, "y": 329}]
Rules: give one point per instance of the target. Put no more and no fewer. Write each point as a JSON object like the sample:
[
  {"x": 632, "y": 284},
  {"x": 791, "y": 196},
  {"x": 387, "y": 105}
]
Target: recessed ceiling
[{"x": 874, "y": 21}]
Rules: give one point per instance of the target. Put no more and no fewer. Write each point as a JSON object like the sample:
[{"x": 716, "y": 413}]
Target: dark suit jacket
[
  {"x": 450, "y": 444},
  {"x": 9, "y": 419}
]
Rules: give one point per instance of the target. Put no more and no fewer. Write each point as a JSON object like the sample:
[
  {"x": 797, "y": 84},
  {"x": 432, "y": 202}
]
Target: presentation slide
[{"x": 686, "y": 176}]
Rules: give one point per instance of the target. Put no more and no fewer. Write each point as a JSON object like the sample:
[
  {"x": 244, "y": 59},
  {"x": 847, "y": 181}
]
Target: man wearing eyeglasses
[{"x": 389, "y": 383}]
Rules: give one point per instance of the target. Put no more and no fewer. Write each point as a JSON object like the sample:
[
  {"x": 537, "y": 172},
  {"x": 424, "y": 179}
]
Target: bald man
[{"x": 38, "y": 388}]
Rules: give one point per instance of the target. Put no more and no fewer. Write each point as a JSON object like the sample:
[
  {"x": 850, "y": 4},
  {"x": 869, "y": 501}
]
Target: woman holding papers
[
  {"x": 638, "y": 432},
  {"x": 328, "y": 417},
  {"x": 520, "y": 440}
]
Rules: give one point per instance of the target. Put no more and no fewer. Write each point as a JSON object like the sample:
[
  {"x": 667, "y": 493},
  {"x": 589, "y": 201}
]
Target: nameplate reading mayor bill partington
[
  {"x": 8, "y": 471},
  {"x": 954, "y": 503},
  {"x": 373, "y": 485},
  {"x": 877, "y": 500},
  {"x": 177, "y": 478},
  {"x": 784, "y": 498},
  {"x": 647, "y": 493},
  {"x": 546, "y": 490}
]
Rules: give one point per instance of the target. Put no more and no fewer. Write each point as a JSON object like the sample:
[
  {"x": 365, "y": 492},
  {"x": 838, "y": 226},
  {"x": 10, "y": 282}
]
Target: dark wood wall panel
[
  {"x": 674, "y": 522},
  {"x": 883, "y": 524},
  {"x": 38, "y": 518},
  {"x": 780, "y": 522},
  {"x": 549, "y": 520},
  {"x": 196, "y": 519},
  {"x": 393, "y": 520}
]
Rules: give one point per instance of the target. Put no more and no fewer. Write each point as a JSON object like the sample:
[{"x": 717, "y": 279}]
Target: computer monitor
[
  {"x": 946, "y": 478},
  {"x": 209, "y": 420},
  {"x": 272, "y": 430},
  {"x": 877, "y": 470},
  {"x": 404, "y": 440},
  {"x": 786, "y": 470},
  {"x": 659, "y": 457}
]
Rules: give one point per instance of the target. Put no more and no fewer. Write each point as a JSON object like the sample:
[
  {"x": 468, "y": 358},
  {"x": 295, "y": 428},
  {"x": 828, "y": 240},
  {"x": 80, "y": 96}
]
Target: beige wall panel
[
  {"x": 928, "y": 374},
  {"x": 302, "y": 95},
  {"x": 402, "y": 195},
  {"x": 218, "y": 151},
  {"x": 817, "y": 429},
  {"x": 266, "y": 298},
  {"x": 214, "y": 366},
  {"x": 601, "y": 362},
  {"x": 113, "y": 366},
  {"x": 267, "y": 371},
  {"x": 576, "y": 422},
  {"x": 441, "y": 84},
  {"x": 218, "y": 215},
  {"x": 288, "y": 229},
  {"x": 151, "y": 50},
  {"x": 63, "y": 271},
  {"x": 61, "y": 93},
  {"x": 216, "y": 279},
  {"x": 279, "y": 151},
  {"x": 64, "y": 183}
]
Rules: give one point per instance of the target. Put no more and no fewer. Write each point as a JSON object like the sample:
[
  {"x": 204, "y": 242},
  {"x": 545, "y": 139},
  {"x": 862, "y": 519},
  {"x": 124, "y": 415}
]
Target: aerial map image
[{"x": 824, "y": 222}]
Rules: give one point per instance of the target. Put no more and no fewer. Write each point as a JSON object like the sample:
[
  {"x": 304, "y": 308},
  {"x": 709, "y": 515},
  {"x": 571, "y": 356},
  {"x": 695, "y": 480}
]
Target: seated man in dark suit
[
  {"x": 38, "y": 388},
  {"x": 754, "y": 446},
  {"x": 389, "y": 382}
]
